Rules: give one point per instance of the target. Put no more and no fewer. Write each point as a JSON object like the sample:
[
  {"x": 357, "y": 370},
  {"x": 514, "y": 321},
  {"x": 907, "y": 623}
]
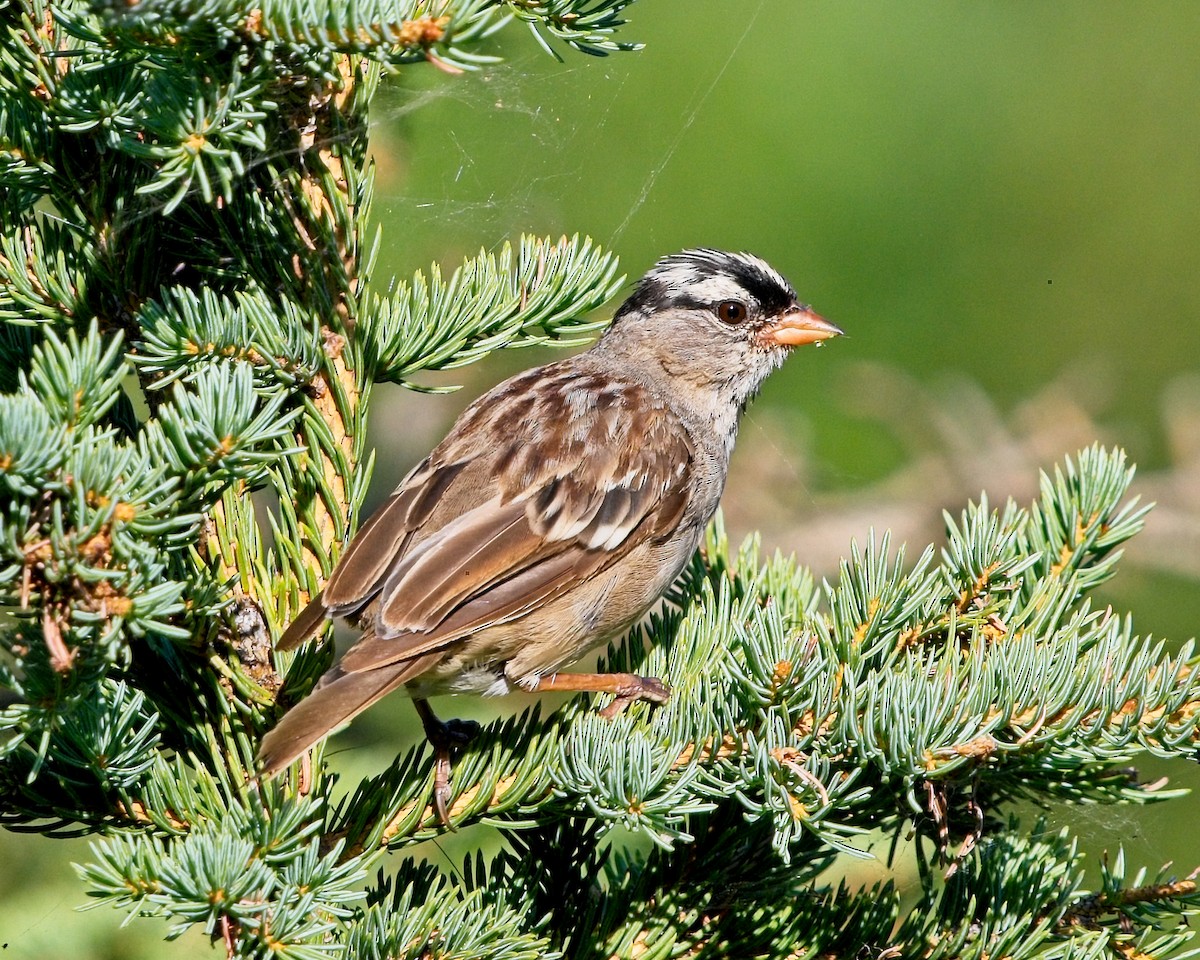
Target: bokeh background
[{"x": 998, "y": 201}]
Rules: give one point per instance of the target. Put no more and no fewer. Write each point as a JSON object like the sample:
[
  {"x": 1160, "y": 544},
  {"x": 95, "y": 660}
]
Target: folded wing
[{"x": 542, "y": 484}]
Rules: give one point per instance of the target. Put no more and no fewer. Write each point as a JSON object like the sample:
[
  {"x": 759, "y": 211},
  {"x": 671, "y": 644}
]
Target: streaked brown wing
[
  {"x": 573, "y": 485},
  {"x": 366, "y": 561},
  {"x": 370, "y": 554}
]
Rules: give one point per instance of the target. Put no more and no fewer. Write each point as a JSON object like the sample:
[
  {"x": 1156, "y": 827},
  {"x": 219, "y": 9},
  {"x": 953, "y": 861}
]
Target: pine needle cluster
[{"x": 190, "y": 330}]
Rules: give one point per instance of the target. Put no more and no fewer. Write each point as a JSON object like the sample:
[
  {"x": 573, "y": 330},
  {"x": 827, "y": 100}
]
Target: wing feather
[
  {"x": 490, "y": 542},
  {"x": 368, "y": 555},
  {"x": 539, "y": 486}
]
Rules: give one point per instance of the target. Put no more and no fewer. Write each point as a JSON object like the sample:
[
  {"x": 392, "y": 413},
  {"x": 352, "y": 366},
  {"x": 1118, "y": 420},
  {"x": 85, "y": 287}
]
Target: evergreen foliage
[{"x": 189, "y": 333}]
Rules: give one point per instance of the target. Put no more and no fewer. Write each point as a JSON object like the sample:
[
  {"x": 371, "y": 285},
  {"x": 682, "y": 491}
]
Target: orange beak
[{"x": 799, "y": 327}]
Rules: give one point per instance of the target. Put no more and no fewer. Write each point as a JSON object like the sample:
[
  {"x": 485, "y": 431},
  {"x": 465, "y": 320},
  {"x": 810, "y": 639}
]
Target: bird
[{"x": 559, "y": 508}]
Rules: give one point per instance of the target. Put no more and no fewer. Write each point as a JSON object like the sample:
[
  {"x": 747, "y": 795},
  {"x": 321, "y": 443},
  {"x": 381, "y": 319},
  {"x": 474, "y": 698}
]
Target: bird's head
[{"x": 714, "y": 320}]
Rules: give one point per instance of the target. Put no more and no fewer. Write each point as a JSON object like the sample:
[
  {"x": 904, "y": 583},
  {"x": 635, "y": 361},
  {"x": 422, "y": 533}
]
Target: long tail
[{"x": 336, "y": 700}]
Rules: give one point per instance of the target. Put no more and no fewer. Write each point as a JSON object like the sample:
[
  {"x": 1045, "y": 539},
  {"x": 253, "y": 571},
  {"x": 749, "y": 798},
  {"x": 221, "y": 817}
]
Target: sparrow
[{"x": 555, "y": 513}]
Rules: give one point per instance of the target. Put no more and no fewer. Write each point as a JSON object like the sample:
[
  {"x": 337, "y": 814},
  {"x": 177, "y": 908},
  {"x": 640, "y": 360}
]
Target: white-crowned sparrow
[{"x": 557, "y": 511}]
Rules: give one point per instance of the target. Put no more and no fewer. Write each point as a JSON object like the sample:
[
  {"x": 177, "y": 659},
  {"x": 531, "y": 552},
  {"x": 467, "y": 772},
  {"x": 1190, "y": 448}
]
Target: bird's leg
[
  {"x": 443, "y": 736},
  {"x": 625, "y": 687}
]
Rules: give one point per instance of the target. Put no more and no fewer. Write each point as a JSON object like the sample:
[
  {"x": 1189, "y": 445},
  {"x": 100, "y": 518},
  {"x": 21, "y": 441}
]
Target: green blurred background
[{"x": 998, "y": 201}]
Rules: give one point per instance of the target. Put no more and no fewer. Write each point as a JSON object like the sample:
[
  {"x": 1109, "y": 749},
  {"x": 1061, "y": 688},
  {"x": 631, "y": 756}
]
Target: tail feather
[{"x": 338, "y": 698}]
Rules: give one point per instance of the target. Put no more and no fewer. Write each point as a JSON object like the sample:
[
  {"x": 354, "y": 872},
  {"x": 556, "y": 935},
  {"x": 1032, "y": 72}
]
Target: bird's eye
[{"x": 731, "y": 311}]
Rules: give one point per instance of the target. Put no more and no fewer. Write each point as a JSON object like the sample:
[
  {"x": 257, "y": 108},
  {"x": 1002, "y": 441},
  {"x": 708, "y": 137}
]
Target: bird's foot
[
  {"x": 445, "y": 737},
  {"x": 650, "y": 689},
  {"x": 625, "y": 687}
]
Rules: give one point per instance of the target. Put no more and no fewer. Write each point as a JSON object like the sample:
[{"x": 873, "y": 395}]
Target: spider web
[
  {"x": 537, "y": 120},
  {"x": 436, "y": 194}
]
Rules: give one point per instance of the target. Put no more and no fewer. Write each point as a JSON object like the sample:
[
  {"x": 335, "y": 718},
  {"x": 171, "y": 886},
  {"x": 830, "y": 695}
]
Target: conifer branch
[{"x": 536, "y": 294}]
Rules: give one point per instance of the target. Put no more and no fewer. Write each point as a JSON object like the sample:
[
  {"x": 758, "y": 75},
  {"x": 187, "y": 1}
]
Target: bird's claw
[
  {"x": 441, "y": 788},
  {"x": 650, "y": 689},
  {"x": 445, "y": 736}
]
